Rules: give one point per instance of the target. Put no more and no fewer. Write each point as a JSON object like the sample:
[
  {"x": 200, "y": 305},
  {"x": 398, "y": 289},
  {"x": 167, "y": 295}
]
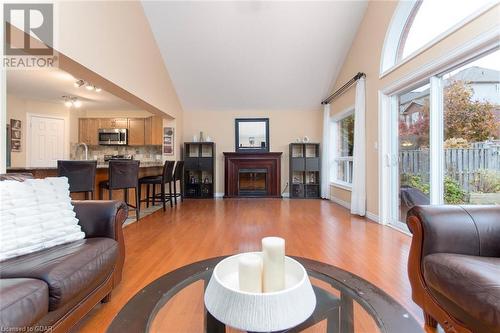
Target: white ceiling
[
  {"x": 254, "y": 55},
  {"x": 49, "y": 85}
]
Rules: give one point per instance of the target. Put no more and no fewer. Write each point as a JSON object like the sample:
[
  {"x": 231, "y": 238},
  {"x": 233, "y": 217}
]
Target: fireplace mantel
[{"x": 233, "y": 162}]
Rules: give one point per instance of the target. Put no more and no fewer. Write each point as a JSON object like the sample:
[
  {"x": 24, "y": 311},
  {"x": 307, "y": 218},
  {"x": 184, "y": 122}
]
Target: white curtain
[
  {"x": 325, "y": 154},
  {"x": 358, "y": 194}
]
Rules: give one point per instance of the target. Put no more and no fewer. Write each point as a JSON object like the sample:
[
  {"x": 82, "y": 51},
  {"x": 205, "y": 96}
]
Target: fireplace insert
[{"x": 252, "y": 182}]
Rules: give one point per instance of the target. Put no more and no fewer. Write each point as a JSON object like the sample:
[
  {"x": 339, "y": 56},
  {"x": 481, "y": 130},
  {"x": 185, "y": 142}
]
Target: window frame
[
  {"x": 399, "y": 26},
  {"x": 481, "y": 45},
  {"x": 334, "y": 131}
]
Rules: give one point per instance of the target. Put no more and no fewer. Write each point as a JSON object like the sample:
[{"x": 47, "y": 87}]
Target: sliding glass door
[
  {"x": 446, "y": 139},
  {"x": 412, "y": 176}
]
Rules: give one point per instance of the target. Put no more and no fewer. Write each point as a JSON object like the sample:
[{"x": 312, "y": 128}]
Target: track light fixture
[
  {"x": 79, "y": 83},
  {"x": 87, "y": 85},
  {"x": 72, "y": 101}
]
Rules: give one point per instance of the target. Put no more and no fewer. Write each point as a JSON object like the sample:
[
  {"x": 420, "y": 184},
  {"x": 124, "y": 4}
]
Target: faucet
[{"x": 85, "y": 147}]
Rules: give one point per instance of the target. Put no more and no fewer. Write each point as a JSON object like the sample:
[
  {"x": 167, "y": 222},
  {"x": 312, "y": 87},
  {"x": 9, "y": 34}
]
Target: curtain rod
[{"x": 342, "y": 89}]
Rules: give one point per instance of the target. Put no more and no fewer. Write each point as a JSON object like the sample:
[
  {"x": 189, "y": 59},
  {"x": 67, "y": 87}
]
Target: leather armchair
[{"x": 454, "y": 266}]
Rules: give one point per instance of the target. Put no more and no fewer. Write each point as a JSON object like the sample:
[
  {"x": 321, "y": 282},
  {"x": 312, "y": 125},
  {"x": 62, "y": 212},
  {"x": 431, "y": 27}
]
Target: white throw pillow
[{"x": 36, "y": 214}]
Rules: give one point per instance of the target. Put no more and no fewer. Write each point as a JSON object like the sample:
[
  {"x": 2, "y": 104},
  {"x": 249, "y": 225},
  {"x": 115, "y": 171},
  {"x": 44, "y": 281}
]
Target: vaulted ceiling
[{"x": 253, "y": 55}]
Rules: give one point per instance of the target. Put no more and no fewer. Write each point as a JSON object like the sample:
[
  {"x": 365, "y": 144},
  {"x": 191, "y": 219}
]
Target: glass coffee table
[{"x": 346, "y": 303}]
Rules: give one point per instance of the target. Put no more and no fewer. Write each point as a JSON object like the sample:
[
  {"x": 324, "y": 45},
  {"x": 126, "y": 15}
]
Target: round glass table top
[{"x": 346, "y": 303}]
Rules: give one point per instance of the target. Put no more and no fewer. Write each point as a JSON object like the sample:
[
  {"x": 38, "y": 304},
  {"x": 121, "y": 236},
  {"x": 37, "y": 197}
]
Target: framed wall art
[{"x": 168, "y": 141}]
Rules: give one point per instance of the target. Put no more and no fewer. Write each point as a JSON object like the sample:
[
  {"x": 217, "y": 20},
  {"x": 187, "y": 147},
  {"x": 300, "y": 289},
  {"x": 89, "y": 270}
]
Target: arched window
[{"x": 418, "y": 24}]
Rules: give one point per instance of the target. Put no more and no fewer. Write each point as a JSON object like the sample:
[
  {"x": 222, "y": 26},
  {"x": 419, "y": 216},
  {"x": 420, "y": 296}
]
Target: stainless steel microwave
[{"x": 113, "y": 136}]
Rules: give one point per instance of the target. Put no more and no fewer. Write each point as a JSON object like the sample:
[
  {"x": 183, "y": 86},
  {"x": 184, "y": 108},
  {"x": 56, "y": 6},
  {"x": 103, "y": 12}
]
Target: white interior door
[{"x": 46, "y": 141}]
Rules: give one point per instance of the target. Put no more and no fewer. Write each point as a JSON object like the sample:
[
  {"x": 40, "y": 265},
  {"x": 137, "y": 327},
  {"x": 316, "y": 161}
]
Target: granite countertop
[
  {"x": 143, "y": 164},
  {"x": 100, "y": 165}
]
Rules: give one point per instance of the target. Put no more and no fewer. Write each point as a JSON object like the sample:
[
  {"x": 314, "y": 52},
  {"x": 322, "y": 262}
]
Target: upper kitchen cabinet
[
  {"x": 87, "y": 130},
  {"x": 141, "y": 131},
  {"x": 113, "y": 123},
  {"x": 136, "y": 132},
  {"x": 154, "y": 130}
]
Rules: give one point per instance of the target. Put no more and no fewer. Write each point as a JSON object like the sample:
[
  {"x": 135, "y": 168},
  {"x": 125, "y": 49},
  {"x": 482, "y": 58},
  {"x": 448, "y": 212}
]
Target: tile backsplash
[{"x": 147, "y": 153}]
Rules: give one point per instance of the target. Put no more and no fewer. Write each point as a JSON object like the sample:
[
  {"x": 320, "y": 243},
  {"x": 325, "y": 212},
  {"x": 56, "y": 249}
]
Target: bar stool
[
  {"x": 165, "y": 177},
  {"x": 122, "y": 175},
  {"x": 80, "y": 174},
  {"x": 179, "y": 169}
]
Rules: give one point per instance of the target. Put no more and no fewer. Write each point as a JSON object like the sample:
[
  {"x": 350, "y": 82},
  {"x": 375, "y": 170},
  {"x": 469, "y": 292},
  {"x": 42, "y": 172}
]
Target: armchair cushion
[
  {"x": 71, "y": 270},
  {"x": 471, "y": 283},
  {"x": 24, "y": 302}
]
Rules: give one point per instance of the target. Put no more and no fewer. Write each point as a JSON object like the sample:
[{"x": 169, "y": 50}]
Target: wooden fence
[{"x": 462, "y": 164}]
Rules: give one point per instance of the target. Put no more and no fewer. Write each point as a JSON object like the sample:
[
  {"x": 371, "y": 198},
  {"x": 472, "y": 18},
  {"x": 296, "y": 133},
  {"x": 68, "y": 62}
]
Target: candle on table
[
  {"x": 250, "y": 273},
  {"x": 273, "y": 255}
]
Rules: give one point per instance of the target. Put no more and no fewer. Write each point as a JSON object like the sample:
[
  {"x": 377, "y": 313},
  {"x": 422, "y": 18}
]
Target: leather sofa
[
  {"x": 454, "y": 266},
  {"x": 52, "y": 289}
]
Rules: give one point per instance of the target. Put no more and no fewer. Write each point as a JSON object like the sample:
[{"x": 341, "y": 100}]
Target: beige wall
[
  {"x": 113, "y": 39},
  {"x": 17, "y": 108},
  {"x": 364, "y": 56},
  {"x": 284, "y": 127}
]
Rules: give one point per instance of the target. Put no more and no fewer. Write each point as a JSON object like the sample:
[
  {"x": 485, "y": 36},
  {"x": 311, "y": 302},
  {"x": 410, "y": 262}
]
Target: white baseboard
[
  {"x": 406, "y": 232},
  {"x": 373, "y": 217},
  {"x": 343, "y": 203}
]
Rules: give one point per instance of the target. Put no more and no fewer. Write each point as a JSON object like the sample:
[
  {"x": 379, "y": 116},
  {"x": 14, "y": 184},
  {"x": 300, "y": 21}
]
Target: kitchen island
[{"x": 145, "y": 169}]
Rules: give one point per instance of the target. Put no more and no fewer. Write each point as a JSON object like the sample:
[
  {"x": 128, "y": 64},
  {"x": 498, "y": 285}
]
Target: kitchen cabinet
[
  {"x": 113, "y": 123},
  {"x": 141, "y": 131},
  {"x": 154, "y": 130},
  {"x": 136, "y": 131},
  {"x": 87, "y": 130}
]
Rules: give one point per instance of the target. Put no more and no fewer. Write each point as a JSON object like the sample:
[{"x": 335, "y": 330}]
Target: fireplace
[
  {"x": 252, "y": 175},
  {"x": 252, "y": 182}
]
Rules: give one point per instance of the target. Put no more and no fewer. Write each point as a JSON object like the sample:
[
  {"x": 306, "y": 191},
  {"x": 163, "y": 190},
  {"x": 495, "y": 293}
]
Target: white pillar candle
[
  {"x": 250, "y": 273},
  {"x": 273, "y": 255}
]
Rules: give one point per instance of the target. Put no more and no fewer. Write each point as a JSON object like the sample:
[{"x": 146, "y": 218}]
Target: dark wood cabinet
[
  {"x": 199, "y": 169},
  {"x": 305, "y": 170}
]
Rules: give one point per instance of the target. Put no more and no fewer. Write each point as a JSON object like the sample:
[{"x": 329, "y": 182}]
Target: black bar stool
[
  {"x": 80, "y": 174},
  {"x": 165, "y": 177},
  {"x": 122, "y": 175},
  {"x": 179, "y": 169}
]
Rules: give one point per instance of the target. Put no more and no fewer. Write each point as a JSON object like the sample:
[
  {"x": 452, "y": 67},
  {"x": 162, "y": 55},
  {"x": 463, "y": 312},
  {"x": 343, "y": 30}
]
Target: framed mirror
[{"x": 252, "y": 135}]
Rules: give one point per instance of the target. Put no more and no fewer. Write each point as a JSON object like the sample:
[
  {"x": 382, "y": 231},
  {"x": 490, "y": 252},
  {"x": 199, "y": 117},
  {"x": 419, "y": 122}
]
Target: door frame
[
  {"x": 29, "y": 116},
  {"x": 387, "y": 160}
]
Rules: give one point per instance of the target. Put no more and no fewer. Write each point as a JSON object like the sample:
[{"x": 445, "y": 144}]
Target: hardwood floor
[{"x": 316, "y": 229}]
